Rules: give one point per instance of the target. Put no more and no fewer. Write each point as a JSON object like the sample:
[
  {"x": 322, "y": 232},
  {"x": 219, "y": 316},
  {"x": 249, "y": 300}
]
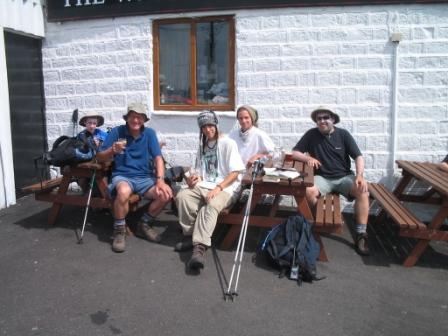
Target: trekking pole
[
  {"x": 75, "y": 121},
  {"x": 92, "y": 181},
  {"x": 242, "y": 238}
]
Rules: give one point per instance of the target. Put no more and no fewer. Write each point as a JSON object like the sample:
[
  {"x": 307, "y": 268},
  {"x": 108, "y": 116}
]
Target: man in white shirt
[{"x": 212, "y": 189}]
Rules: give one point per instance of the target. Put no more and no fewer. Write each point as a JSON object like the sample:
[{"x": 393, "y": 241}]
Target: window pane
[
  {"x": 212, "y": 62},
  {"x": 174, "y": 64}
]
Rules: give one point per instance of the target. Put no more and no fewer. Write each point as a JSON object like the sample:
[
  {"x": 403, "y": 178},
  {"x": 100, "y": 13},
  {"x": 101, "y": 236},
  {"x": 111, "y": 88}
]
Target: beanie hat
[
  {"x": 252, "y": 112},
  {"x": 207, "y": 117}
]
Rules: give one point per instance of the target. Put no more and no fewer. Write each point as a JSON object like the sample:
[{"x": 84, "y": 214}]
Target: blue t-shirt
[{"x": 137, "y": 160}]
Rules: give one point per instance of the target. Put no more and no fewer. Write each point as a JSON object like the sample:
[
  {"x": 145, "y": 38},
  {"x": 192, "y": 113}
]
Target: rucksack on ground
[{"x": 293, "y": 249}]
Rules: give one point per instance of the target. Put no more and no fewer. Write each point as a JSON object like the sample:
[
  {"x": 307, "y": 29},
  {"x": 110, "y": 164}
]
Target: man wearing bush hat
[
  {"x": 138, "y": 168},
  {"x": 328, "y": 150}
]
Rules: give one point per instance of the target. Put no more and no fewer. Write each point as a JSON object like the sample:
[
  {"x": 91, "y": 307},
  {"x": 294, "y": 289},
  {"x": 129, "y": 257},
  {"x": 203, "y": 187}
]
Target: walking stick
[
  {"x": 92, "y": 181},
  {"x": 257, "y": 166}
]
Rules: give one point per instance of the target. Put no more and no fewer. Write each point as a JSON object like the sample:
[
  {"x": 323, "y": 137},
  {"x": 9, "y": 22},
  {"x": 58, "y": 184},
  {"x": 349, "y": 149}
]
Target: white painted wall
[
  {"x": 288, "y": 61},
  {"x": 21, "y": 17}
]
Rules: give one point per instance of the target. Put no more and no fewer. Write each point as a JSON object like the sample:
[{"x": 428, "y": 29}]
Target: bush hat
[
  {"x": 207, "y": 117},
  {"x": 252, "y": 112},
  {"x": 91, "y": 115},
  {"x": 137, "y": 108},
  {"x": 321, "y": 109}
]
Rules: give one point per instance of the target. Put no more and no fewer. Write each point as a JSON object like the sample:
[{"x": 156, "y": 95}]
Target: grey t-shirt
[{"x": 333, "y": 151}]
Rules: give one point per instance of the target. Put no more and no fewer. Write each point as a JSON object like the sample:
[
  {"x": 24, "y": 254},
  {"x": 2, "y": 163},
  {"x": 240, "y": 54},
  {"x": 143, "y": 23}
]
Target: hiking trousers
[{"x": 196, "y": 217}]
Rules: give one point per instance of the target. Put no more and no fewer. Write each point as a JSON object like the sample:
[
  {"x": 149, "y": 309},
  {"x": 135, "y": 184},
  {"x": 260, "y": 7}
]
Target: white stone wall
[{"x": 288, "y": 61}]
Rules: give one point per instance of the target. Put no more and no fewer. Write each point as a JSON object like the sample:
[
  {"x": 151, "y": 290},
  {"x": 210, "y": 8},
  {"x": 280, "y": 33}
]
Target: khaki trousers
[{"x": 198, "y": 218}]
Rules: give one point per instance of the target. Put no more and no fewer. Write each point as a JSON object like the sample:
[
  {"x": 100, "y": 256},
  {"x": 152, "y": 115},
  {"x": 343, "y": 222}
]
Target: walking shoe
[
  {"x": 197, "y": 259},
  {"x": 184, "y": 245},
  {"x": 119, "y": 242},
  {"x": 144, "y": 230},
  {"x": 361, "y": 244}
]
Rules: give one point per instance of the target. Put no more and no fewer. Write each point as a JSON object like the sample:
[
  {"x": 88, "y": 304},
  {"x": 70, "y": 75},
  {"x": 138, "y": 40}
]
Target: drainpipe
[{"x": 395, "y": 39}]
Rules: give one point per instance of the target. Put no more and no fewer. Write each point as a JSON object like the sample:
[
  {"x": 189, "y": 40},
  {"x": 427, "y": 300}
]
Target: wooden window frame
[{"x": 195, "y": 106}]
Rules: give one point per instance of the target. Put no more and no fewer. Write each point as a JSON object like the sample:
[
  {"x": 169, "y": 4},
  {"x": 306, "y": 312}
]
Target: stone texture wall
[{"x": 288, "y": 61}]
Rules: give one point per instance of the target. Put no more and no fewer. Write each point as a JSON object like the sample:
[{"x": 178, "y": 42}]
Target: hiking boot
[
  {"x": 119, "y": 243},
  {"x": 197, "y": 259},
  {"x": 145, "y": 231},
  {"x": 184, "y": 245},
  {"x": 361, "y": 244}
]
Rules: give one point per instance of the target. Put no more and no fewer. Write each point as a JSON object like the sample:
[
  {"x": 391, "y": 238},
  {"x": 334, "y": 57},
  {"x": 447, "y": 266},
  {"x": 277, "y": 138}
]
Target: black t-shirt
[{"x": 333, "y": 151}]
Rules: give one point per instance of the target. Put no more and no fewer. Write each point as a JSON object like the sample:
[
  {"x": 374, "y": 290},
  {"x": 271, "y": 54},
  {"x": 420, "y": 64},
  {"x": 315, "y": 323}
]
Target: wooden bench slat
[
  {"x": 328, "y": 214},
  {"x": 44, "y": 185},
  {"x": 389, "y": 203},
  {"x": 394, "y": 207}
]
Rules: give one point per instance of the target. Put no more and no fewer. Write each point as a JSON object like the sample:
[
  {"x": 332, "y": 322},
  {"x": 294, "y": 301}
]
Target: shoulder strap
[{"x": 59, "y": 140}]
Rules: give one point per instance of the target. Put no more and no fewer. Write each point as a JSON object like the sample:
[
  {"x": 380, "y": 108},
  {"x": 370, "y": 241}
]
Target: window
[{"x": 194, "y": 61}]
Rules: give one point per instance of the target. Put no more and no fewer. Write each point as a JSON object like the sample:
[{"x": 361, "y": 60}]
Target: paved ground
[{"x": 52, "y": 286}]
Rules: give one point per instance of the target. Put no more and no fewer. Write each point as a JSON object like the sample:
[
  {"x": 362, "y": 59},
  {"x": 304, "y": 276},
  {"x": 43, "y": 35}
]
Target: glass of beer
[{"x": 124, "y": 142}]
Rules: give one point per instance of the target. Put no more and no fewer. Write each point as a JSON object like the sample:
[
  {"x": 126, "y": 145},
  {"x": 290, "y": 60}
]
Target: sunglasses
[{"x": 326, "y": 117}]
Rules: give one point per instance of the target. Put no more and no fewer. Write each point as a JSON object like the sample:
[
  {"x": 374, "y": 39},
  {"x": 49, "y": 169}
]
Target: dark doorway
[{"x": 24, "y": 66}]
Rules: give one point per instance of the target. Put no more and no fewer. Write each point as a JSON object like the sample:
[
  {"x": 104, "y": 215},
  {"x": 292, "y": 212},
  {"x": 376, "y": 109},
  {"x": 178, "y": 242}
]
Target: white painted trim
[{"x": 7, "y": 186}]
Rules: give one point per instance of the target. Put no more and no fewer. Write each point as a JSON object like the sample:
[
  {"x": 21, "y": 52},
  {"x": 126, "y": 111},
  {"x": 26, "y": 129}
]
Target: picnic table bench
[
  {"x": 56, "y": 190},
  {"x": 410, "y": 225}
]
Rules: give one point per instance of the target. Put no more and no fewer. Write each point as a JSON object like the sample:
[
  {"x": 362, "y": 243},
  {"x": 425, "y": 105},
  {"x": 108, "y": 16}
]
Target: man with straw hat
[
  {"x": 138, "y": 168},
  {"x": 328, "y": 150}
]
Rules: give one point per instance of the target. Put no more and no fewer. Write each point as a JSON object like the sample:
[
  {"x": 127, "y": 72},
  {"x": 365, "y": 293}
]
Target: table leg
[
  {"x": 401, "y": 186},
  {"x": 56, "y": 207},
  {"x": 234, "y": 230},
  {"x": 422, "y": 244}
]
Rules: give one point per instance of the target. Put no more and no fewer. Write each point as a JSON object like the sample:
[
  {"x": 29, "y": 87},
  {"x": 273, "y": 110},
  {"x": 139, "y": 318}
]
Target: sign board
[{"x": 63, "y": 10}]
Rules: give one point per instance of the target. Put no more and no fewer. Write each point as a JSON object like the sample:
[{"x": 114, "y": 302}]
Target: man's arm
[
  {"x": 309, "y": 160},
  {"x": 359, "y": 180},
  {"x": 105, "y": 155},
  {"x": 443, "y": 166},
  {"x": 228, "y": 180},
  {"x": 161, "y": 186}
]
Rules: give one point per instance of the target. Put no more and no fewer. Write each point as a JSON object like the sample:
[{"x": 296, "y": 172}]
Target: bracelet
[
  {"x": 219, "y": 186},
  {"x": 159, "y": 177}
]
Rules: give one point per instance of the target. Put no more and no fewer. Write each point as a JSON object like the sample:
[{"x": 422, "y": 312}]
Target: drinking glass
[
  {"x": 277, "y": 157},
  {"x": 124, "y": 142}
]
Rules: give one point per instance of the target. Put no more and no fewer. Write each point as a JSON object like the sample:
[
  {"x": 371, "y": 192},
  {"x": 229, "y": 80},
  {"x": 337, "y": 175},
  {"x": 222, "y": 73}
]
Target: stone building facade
[{"x": 288, "y": 61}]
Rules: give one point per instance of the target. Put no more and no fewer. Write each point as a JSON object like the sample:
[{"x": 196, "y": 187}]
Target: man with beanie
[
  {"x": 138, "y": 168},
  {"x": 328, "y": 149},
  {"x": 212, "y": 189},
  {"x": 253, "y": 143}
]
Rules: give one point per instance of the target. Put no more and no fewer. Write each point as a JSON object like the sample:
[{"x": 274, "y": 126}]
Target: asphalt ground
[{"x": 50, "y": 285}]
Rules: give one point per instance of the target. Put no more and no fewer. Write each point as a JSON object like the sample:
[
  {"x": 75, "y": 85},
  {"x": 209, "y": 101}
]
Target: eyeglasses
[{"x": 326, "y": 117}]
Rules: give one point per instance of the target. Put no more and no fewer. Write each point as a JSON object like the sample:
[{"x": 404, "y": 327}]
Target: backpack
[
  {"x": 66, "y": 151},
  {"x": 293, "y": 249}
]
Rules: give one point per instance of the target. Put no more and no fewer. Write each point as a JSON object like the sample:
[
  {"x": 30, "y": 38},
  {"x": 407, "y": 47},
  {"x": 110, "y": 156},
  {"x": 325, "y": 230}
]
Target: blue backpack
[{"x": 292, "y": 248}]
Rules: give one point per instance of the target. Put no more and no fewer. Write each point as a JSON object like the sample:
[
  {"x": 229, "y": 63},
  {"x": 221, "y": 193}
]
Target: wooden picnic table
[
  {"x": 408, "y": 223},
  {"x": 437, "y": 182},
  {"x": 57, "y": 192},
  {"x": 297, "y": 189}
]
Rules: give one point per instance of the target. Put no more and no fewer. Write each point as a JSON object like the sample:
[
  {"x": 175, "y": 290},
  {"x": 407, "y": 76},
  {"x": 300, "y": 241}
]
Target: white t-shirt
[
  {"x": 229, "y": 161},
  {"x": 253, "y": 141}
]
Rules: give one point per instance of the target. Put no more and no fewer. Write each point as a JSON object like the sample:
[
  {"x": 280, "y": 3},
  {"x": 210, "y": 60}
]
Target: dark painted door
[{"x": 24, "y": 66}]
